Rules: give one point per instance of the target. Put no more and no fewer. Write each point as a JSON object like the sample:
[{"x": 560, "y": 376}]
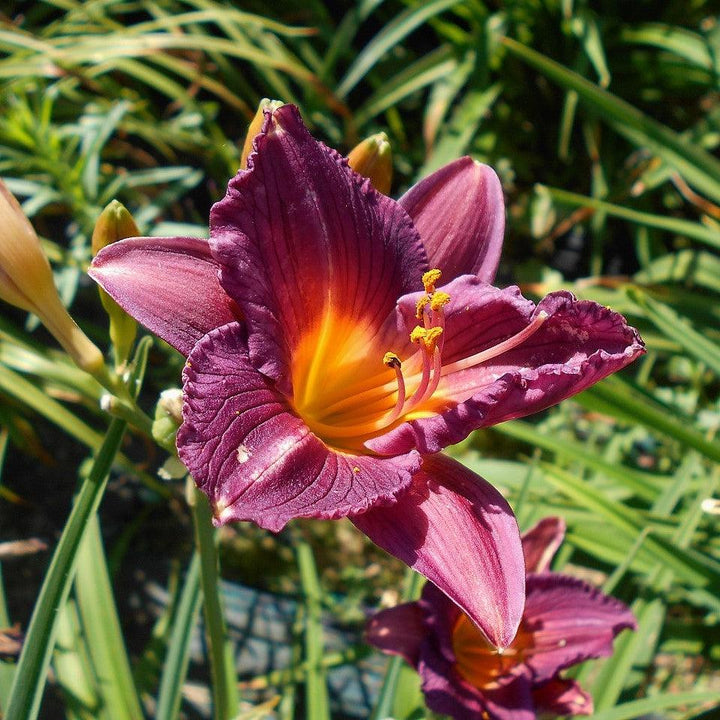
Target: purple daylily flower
[
  {"x": 565, "y": 622},
  {"x": 321, "y": 383}
]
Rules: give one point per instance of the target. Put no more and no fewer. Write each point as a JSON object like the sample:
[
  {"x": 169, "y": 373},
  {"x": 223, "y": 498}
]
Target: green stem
[
  {"x": 222, "y": 665},
  {"x": 317, "y": 700},
  {"x": 31, "y": 671},
  {"x": 128, "y": 411}
]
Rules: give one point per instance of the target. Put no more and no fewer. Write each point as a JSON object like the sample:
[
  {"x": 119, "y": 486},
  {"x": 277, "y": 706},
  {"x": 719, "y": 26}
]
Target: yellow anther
[
  {"x": 430, "y": 278},
  {"x": 432, "y": 335},
  {"x": 439, "y": 300},
  {"x": 420, "y": 306},
  {"x": 418, "y": 334},
  {"x": 391, "y": 360}
]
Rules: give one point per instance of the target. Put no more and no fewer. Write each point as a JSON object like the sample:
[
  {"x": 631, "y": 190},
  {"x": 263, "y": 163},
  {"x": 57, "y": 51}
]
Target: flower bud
[
  {"x": 168, "y": 417},
  {"x": 372, "y": 158},
  {"x": 256, "y": 126},
  {"x": 26, "y": 281},
  {"x": 116, "y": 223}
]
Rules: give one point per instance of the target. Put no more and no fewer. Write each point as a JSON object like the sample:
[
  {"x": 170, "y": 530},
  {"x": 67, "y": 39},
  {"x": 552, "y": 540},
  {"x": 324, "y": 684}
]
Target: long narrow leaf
[
  {"x": 696, "y": 166},
  {"x": 177, "y": 658},
  {"x": 387, "y": 38},
  {"x": 32, "y": 667},
  {"x": 677, "y": 226},
  {"x": 620, "y": 399},
  {"x": 101, "y": 625}
]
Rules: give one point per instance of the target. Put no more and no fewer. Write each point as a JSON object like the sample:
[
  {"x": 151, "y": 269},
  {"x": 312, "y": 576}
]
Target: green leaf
[
  {"x": 619, "y": 398},
  {"x": 395, "y": 31},
  {"x": 177, "y": 658},
  {"x": 691, "y": 567},
  {"x": 679, "y": 329},
  {"x": 695, "y": 165},
  {"x": 677, "y": 226},
  {"x": 674, "y": 39},
  {"x": 399, "y": 692},
  {"x": 458, "y": 133},
  {"x": 656, "y": 704},
  {"x": 32, "y": 667},
  {"x": 101, "y": 626},
  {"x": 423, "y": 72},
  {"x": 690, "y": 267},
  {"x": 643, "y": 484}
]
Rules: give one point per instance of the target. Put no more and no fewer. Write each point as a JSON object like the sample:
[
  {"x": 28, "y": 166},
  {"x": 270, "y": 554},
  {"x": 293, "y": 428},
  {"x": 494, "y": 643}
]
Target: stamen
[
  {"x": 430, "y": 278},
  {"x": 439, "y": 300},
  {"x": 420, "y": 306},
  {"x": 418, "y": 334},
  {"x": 498, "y": 349},
  {"x": 391, "y": 360},
  {"x": 432, "y": 335}
]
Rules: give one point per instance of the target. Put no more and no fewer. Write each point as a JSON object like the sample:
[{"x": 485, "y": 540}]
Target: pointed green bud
[
  {"x": 116, "y": 223},
  {"x": 372, "y": 158},
  {"x": 256, "y": 126},
  {"x": 26, "y": 281}
]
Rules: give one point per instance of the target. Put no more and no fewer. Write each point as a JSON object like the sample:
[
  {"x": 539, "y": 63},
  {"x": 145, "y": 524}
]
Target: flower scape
[{"x": 337, "y": 340}]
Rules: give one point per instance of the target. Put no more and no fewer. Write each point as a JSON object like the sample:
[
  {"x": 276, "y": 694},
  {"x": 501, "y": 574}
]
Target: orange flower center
[
  {"x": 478, "y": 662},
  {"x": 348, "y": 390}
]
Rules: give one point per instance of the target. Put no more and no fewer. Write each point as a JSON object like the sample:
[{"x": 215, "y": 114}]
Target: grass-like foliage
[{"x": 602, "y": 120}]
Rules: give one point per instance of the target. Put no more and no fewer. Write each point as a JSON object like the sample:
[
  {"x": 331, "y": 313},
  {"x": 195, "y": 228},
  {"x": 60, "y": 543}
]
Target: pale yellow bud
[
  {"x": 372, "y": 158},
  {"x": 256, "y": 126},
  {"x": 26, "y": 281}
]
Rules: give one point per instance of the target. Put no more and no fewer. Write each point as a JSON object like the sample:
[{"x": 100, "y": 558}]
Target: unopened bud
[
  {"x": 256, "y": 126},
  {"x": 116, "y": 223},
  {"x": 168, "y": 417},
  {"x": 372, "y": 158},
  {"x": 26, "y": 281}
]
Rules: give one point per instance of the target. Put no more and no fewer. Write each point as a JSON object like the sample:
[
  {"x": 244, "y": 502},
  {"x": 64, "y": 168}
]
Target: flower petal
[
  {"x": 457, "y": 530},
  {"x": 562, "y": 697},
  {"x": 579, "y": 343},
  {"x": 169, "y": 284},
  {"x": 300, "y": 237},
  {"x": 541, "y": 542},
  {"x": 459, "y": 212},
  {"x": 398, "y": 631},
  {"x": 258, "y": 461},
  {"x": 570, "y": 621}
]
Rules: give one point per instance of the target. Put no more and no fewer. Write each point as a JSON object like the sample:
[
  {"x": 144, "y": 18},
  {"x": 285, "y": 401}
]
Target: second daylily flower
[
  {"x": 328, "y": 361},
  {"x": 565, "y": 622}
]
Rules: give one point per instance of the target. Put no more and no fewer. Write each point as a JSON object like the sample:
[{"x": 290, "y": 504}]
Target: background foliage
[{"x": 603, "y": 121}]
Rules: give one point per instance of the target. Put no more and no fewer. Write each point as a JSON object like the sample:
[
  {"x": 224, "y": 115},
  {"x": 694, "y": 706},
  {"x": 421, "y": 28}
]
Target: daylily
[
  {"x": 327, "y": 366},
  {"x": 565, "y": 622}
]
